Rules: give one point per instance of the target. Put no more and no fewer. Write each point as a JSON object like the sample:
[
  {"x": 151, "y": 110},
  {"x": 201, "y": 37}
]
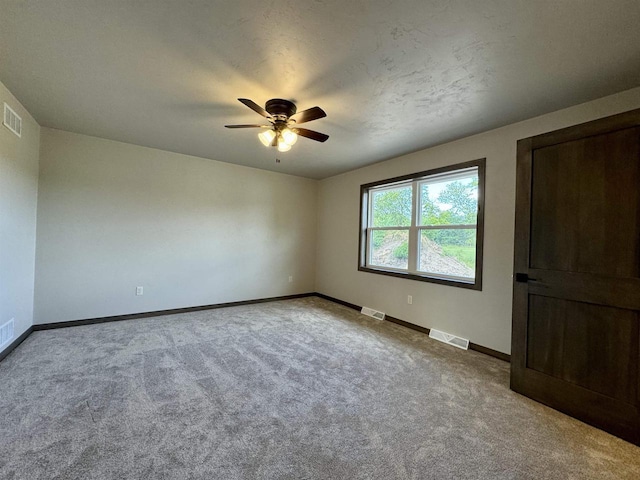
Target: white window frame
[{"x": 415, "y": 230}]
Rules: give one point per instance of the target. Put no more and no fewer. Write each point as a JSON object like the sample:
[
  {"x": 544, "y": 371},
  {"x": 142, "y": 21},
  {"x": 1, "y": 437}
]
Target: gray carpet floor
[{"x": 299, "y": 389}]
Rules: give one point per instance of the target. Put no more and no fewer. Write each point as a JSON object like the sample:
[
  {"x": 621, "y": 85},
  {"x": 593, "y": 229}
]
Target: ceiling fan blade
[
  {"x": 304, "y": 116},
  {"x": 248, "y": 126},
  {"x": 317, "y": 136},
  {"x": 255, "y": 107}
]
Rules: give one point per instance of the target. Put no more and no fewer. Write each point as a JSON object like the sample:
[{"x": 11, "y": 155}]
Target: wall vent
[
  {"x": 6, "y": 333},
  {"x": 12, "y": 120},
  {"x": 447, "y": 338},
  {"x": 372, "y": 313}
]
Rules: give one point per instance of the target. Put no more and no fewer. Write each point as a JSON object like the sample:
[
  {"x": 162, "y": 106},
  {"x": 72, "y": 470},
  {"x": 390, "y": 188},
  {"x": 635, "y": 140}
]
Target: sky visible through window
[{"x": 436, "y": 188}]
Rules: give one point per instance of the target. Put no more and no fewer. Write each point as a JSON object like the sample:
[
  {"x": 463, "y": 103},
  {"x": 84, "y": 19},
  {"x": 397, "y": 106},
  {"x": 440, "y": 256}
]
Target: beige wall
[
  {"x": 112, "y": 216},
  {"x": 483, "y": 317},
  {"x": 191, "y": 231},
  {"x": 18, "y": 199}
]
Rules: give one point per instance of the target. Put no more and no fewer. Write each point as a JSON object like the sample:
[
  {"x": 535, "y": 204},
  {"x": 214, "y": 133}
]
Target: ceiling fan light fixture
[
  {"x": 283, "y": 146},
  {"x": 289, "y": 136},
  {"x": 266, "y": 137}
]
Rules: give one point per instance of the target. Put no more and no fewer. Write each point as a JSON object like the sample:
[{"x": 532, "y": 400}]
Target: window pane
[
  {"x": 449, "y": 202},
  {"x": 448, "y": 252},
  {"x": 392, "y": 207},
  {"x": 389, "y": 248}
]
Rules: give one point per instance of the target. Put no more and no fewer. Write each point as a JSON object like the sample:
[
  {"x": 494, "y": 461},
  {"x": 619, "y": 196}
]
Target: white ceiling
[{"x": 393, "y": 76}]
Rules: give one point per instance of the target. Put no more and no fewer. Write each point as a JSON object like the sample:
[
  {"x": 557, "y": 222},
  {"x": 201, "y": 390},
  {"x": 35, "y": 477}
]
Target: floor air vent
[
  {"x": 12, "y": 120},
  {"x": 449, "y": 339},
  {"x": 6, "y": 333},
  {"x": 372, "y": 313}
]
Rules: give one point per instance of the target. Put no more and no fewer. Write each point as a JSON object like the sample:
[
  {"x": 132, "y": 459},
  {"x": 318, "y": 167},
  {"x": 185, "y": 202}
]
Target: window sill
[{"x": 477, "y": 285}]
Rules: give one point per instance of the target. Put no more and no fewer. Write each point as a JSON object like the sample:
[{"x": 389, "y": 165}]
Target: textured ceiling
[{"x": 393, "y": 76}]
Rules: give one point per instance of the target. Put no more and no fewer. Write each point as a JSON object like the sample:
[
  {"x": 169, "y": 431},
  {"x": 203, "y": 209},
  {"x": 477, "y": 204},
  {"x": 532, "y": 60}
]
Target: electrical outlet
[
  {"x": 139, "y": 291},
  {"x": 290, "y": 278},
  {"x": 409, "y": 299}
]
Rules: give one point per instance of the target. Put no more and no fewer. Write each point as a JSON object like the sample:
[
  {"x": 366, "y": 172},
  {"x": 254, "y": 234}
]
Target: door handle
[{"x": 524, "y": 278}]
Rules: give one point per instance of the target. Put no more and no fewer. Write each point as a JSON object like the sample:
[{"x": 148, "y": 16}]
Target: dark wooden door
[{"x": 576, "y": 301}]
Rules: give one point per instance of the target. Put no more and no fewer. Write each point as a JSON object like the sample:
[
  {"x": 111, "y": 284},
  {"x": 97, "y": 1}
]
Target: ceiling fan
[{"x": 283, "y": 131}]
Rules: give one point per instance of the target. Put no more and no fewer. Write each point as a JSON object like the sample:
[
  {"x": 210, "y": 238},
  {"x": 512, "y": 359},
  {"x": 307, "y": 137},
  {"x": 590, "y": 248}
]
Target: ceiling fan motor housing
[{"x": 280, "y": 109}]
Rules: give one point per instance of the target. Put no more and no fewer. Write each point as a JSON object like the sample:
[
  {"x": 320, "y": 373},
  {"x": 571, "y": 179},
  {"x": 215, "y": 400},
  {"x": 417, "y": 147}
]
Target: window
[{"x": 427, "y": 226}]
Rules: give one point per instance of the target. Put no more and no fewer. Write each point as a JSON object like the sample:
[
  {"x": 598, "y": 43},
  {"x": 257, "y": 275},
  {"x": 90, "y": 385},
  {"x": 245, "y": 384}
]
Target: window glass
[
  {"x": 450, "y": 252},
  {"x": 391, "y": 207},
  {"x": 449, "y": 202},
  {"x": 390, "y": 248}
]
